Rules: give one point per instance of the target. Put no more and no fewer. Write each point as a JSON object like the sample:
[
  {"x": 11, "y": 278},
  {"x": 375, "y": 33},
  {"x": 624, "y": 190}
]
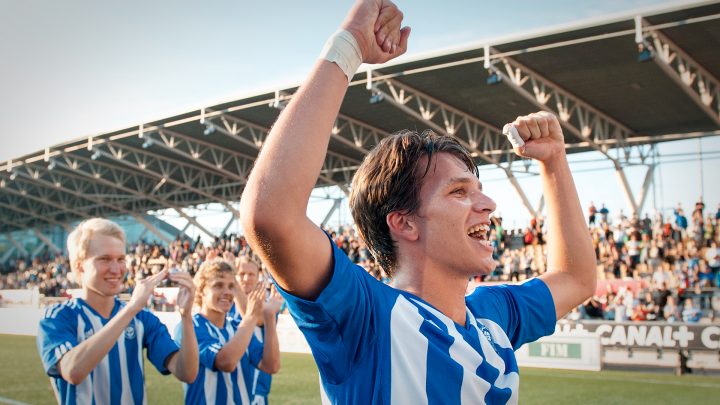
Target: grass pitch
[{"x": 22, "y": 380}]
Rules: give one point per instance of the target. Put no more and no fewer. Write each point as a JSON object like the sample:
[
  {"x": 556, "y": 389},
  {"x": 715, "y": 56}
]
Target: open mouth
[{"x": 480, "y": 233}]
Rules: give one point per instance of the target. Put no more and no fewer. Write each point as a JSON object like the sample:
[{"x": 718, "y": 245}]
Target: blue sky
[{"x": 75, "y": 68}]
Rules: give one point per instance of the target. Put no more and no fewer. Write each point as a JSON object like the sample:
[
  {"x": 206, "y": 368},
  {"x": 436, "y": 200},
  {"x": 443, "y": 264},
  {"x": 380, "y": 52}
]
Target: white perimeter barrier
[
  {"x": 569, "y": 348},
  {"x": 24, "y": 321},
  {"x": 557, "y": 351}
]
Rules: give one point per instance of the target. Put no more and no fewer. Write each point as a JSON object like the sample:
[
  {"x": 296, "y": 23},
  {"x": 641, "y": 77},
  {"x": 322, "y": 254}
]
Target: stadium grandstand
[{"x": 619, "y": 86}]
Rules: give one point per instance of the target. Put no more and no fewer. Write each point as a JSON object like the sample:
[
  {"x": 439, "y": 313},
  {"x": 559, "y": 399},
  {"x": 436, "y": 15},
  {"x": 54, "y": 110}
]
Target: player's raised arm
[
  {"x": 228, "y": 357},
  {"x": 571, "y": 260},
  {"x": 184, "y": 363},
  {"x": 275, "y": 199}
]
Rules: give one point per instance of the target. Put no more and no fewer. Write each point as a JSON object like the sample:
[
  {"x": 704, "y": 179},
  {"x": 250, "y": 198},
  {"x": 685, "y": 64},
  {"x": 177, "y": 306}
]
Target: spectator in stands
[
  {"x": 670, "y": 310},
  {"x": 592, "y": 309},
  {"x": 712, "y": 256},
  {"x": 228, "y": 349},
  {"x": 620, "y": 308},
  {"x": 604, "y": 212},
  {"x": 690, "y": 312},
  {"x": 592, "y": 211},
  {"x": 86, "y": 342},
  {"x": 681, "y": 222}
]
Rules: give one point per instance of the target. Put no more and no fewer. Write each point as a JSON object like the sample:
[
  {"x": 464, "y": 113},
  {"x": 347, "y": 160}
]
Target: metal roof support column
[
  {"x": 541, "y": 204},
  {"x": 47, "y": 241},
  {"x": 17, "y": 244},
  {"x": 702, "y": 87},
  {"x": 227, "y": 226},
  {"x": 151, "y": 228},
  {"x": 626, "y": 188},
  {"x": 335, "y": 206},
  {"x": 194, "y": 222},
  {"x": 187, "y": 225},
  {"x": 649, "y": 180},
  {"x": 520, "y": 192},
  {"x": 474, "y": 134}
]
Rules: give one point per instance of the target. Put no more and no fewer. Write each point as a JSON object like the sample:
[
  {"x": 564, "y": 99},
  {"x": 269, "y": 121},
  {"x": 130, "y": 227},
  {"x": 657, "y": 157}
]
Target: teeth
[{"x": 481, "y": 229}]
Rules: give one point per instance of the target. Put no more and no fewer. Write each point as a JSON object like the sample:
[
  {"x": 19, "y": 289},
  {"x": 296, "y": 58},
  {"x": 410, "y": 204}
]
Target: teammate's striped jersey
[
  {"x": 375, "y": 344},
  {"x": 119, "y": 377},
  {"x": 261, "y": 381},
  {"x": 213, "y": 386}
]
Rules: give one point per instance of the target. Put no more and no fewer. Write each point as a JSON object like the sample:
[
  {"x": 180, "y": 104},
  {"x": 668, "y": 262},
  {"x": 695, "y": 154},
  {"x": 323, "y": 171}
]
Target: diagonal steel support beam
[
  {"x": 23, "y": 192},
  {"x": 46, "y": 241},
  {"x": 213, "y": 157},
  {"x": 119, "y": 153},
  {"x": 541, "y": 204},
  {"x": 194, "y": 221},
  {"x": 576, "y": 115},
  {"x": 8, "y": 254},
  {"x": 68, "y": 172},
  {"x": 334, "y": 163},
  {"x": 141, "y": 219},
  {"x": 649, "y": 180},
  {"x": 331, "y": 211},
  {"x": 45, "y": 184},
  {"x": 31, "y": 214},
  {"x": 15, "y": 243},
  {"x": 227, "y": 226},
  {"x": 476, "y": 135},
  {"x": 699, "y": 84}
]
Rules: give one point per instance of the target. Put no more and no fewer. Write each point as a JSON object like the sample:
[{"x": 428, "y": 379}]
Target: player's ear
[{"x": 402, "y": 226}]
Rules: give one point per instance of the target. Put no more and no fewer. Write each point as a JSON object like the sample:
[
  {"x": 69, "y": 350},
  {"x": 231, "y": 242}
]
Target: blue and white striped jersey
[
  {"x": 261, "y": 380},
  {"x": 375, "y": 344},
  {"x": 213, "y": 386},
  {"x": 119, "y": 377}
]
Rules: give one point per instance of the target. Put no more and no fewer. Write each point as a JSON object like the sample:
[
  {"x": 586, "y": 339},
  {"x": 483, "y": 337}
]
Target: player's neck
[
  {"x": 442, "y": 290},
  {"x": 217, "y": 318},
  {"x": 102, "y": 304}
]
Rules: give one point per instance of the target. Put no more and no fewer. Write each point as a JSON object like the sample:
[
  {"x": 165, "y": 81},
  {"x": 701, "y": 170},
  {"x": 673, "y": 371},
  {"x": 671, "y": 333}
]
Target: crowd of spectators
[{"x": 673, "y": 263}]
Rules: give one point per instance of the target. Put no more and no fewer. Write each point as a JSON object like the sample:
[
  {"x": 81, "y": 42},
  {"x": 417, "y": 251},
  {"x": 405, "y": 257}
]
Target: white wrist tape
[
  {"x": 513, "y": 136},
  {"x": 343, "y": 50}
]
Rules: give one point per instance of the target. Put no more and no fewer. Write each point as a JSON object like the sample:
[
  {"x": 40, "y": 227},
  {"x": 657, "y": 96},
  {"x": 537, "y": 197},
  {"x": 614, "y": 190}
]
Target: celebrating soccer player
[
  {"x": 421, "y": 209},
  {"x": 229, "y": 352},
  {"x": 248, "y": 277},
  {"x": 92, "y": 347}
]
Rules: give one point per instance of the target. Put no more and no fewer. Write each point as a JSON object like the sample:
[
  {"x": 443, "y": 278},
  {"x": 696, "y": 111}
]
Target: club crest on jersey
[
  {"x": 489, "y": 337},
  {"x": 129, "y": 332}
]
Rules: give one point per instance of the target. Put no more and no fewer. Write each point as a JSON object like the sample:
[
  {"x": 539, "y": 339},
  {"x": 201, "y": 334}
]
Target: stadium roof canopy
[{"x": 618, "y": 85}]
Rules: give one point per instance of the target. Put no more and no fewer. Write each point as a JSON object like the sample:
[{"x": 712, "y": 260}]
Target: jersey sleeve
[
  {"x": 157, "y": 340},
  {"x": 57, "y": 334},
  {"x": 526, "y": 312},
  {"x": 340, "y": 324}
]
